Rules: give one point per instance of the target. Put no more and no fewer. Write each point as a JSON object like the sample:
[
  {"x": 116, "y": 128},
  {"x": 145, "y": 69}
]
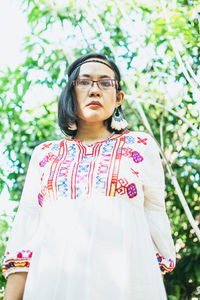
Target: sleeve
[
  {"x": 23, "y": 234},
  {"x": 155, "y": 211}
]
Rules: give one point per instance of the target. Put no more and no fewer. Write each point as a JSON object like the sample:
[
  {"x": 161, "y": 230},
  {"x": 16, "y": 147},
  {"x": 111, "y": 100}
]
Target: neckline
[{"x": 98, "y": 142}]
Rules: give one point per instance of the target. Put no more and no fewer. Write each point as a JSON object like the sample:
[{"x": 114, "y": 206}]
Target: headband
[{"x": 94, "y": 60}]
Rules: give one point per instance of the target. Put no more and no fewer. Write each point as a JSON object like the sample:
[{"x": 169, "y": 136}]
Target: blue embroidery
[
  {"x": 72, "y": 150},
  {"x": 63, "y": 187},
  {"x": 55, "y": 147},
  {"x": 101, "y": 182},
  {"x": 130, "y": 139},
  {"x": 83, "y": 168},
  {"x": 108, "y": 146}
]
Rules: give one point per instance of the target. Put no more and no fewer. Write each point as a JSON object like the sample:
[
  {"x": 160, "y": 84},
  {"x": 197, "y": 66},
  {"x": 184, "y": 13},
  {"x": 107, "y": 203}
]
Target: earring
[
  {"x": 118, "y": 122},
  {"x": 72, "y": 126}
]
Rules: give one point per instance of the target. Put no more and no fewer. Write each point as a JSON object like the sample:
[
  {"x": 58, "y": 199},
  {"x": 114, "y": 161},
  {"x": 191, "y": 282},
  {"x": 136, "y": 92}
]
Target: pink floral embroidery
[
  {"x": 128, "y": 152},
  {"x": 132, "y": 190},
  {"x": 124, "y": 188},
  {"x": 24, "y": 254},
  {"x": 137, "y": 158},
  {"x": 40, "y": 199},
  {"x": 50, "y": 156},
  {"x": 41, "y": 195},
  {"x": 20, "y": 260}
]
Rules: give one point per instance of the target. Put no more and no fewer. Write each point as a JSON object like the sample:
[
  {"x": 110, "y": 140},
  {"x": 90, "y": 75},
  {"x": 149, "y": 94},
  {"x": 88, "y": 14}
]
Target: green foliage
[{"x": 138, "y": 35}]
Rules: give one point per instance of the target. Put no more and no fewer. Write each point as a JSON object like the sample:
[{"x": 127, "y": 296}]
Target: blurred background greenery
[{"x": 156, "y": 45}]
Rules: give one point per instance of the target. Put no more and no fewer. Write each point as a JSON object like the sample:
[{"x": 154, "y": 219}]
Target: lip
[{"x": 95, "y": 104}]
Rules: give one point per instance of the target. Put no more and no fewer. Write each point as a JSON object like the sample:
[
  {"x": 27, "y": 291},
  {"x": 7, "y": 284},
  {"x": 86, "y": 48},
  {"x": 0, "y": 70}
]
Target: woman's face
[{"x": 93, "y": 103}]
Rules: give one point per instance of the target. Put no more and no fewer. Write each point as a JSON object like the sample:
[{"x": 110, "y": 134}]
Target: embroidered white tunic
[{"x": 92, "y": 223}]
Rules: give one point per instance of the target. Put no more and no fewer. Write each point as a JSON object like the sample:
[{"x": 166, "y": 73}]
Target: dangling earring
[
  {"x": 72, "y": 126},
  {"x": 118, "y": 122}
]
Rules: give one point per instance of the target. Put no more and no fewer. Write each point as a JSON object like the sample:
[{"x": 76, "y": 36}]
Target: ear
[{"x": 120, "y": 98}]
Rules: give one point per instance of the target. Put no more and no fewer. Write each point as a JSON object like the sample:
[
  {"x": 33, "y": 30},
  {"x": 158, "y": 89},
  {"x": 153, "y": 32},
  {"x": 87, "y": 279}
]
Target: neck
[{"x": 92, "y": 132}]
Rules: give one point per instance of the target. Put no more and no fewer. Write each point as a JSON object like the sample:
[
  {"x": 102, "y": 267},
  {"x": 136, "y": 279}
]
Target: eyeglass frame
[{"x": 116, "y": 85}]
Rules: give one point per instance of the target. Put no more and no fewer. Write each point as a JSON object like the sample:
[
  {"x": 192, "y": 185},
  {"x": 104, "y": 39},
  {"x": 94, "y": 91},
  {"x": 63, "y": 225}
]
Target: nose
[{"x": 95, "y": 91}]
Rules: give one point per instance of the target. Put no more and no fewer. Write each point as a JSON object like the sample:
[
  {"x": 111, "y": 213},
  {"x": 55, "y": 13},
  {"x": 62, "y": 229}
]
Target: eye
[
  {"x": 105, "y": 83},
  {"x": 83, "y": 82}
]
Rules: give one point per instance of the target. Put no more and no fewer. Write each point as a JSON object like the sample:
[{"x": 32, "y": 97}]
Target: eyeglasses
[{"x": 103, "y": 84}]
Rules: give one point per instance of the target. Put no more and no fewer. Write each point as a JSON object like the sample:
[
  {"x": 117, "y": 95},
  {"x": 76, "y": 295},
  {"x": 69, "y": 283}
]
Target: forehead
[{"x": 96, "y": 69}]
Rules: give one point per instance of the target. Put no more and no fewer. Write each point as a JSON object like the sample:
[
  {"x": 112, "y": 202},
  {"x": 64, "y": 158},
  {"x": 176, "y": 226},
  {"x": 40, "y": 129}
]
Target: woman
[{"x": 92, "y": 223}]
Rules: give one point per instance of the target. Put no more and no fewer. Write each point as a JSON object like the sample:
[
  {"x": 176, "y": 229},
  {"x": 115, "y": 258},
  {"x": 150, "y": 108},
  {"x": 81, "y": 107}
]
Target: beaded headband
[{"x": 94, "y": 60}]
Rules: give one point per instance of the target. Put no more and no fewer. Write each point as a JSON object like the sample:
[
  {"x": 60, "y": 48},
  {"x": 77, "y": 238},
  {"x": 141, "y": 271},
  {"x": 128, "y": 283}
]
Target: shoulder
[
  {"x": 143, "y": 141},
  {"x": 47, "y": 147},
  {"x": 141, "y": 137}
]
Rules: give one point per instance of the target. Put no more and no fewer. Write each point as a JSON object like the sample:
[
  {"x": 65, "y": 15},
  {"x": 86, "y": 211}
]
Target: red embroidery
[
  {"x": 46, "y": 146},
  {"x": 135, "y": 172},
  {"x": 127, "y": 152},
  {"x": 20, "y": 260},
  {"x": 124, "y": 188},
  {"x": 42, "y": 177},
  {"x": 166, "y": 265},
  {"x": 143, "y": 141},
  {"x": 115, "y": 172}
]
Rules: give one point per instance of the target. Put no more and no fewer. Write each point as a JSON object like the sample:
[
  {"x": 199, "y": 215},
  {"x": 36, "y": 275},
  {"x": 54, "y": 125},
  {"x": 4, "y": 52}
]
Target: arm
[
  {"x": 155, "y": 210},
  {"x": 15, "y": 286},
  {"x": 22, "y": 239}
]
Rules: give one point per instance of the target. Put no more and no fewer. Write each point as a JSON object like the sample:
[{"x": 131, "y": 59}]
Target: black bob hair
[{"x": 67, "y": 101}]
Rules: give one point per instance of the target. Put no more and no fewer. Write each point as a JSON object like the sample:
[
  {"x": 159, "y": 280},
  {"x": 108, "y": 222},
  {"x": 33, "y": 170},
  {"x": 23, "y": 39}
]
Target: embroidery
[
  {"x": 63, "y": 187},
  {"x": 73, "y": 172},
  {"x": 42, "y": 177},
  {"x": 46, "y": 146},
  {"x": 71, "y": 150},
  {"x": 115, "y": 168},
  {"x": 108, "y": 145},
  {"x": 143, "y": 141},
  {"x": 132, "y": 190},
  {"x": 128, "y": 152},
  {"x": 124, "y": 188},
  {"x": 130, "y": 139},
  {"x": 101, "y": 183},
  {"x": 55, "y": 147},
  {"x": 166, "y": 265},
  {"x": 137, "y": 158},
  {"x": 20, "y": 260},
  {"x": 50, "y": 156},
  {"x": 104, "y": 164},
  {"x": 64, "y": 169},
  {"x": 40, "y": 199},
  {"x": 135, "y": 172}
]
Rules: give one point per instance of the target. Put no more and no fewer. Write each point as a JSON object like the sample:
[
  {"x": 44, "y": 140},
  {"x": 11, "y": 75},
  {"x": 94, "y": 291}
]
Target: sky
[{"x": 13, "y": 27}]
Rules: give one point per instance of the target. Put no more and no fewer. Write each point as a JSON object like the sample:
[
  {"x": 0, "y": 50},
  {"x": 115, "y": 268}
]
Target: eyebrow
[{"x": 89, "y": 76}]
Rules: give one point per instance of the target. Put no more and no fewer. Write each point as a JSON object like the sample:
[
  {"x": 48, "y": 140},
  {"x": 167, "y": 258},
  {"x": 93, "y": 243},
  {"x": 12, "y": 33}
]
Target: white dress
[{"x": 92, "y": 224}]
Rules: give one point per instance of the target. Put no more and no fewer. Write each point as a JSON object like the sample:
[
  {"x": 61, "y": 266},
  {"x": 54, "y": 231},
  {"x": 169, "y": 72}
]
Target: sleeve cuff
[
  {"x": 166, "y": 264},
  {"x": 19, "y": 262}
]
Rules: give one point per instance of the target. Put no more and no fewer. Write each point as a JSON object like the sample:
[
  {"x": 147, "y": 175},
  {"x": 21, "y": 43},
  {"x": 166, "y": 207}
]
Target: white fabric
[{"x": 95, "y": 247}]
